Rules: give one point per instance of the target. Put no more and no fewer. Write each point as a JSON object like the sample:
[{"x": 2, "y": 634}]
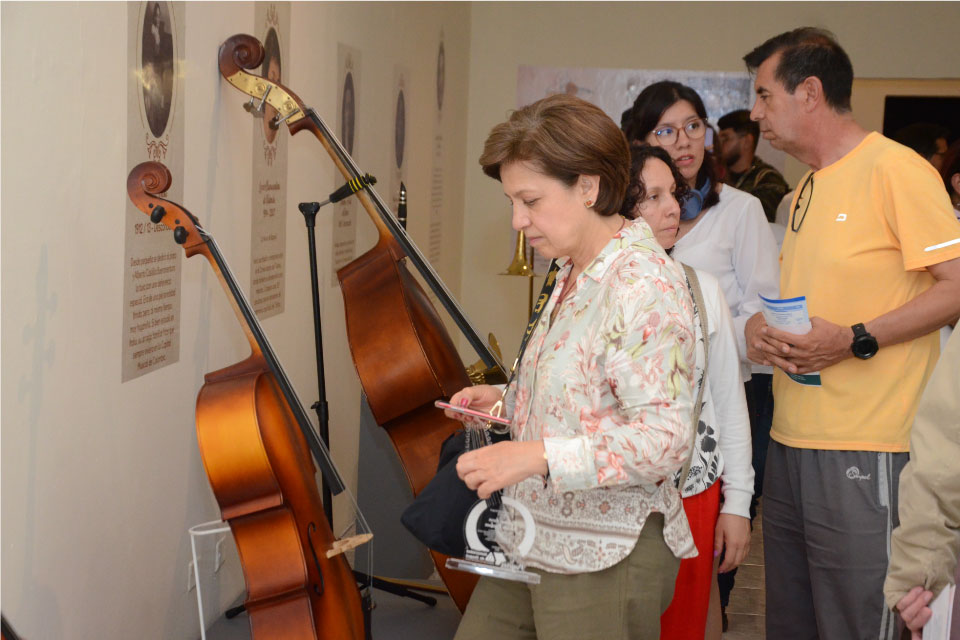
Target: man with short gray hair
[{"x": 874, "y": 247}]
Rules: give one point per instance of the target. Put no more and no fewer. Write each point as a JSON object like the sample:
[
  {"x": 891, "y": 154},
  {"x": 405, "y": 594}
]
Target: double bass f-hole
[{"x": 318, "y": 589}]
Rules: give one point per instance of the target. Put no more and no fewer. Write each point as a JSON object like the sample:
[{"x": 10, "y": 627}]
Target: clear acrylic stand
[
  {"x": 205, "y": 529},
  {"x": 483, "y": 555}
]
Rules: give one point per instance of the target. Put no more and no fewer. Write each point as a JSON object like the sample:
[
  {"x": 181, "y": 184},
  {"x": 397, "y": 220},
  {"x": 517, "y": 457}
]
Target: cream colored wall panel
[
  {"x": 884, "y": 40},
  {"x": 101, "y": 480}
]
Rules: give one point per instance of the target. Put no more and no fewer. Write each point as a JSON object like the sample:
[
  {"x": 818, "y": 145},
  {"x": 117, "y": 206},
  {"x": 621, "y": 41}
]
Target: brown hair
[
  {"x": 647, "y": 110},
  {"x": 951, "y": 166},
  {"x": 564, "y": 137},
  {"x": 807, "y": 52},
  {"x": 637, "y": 190}
]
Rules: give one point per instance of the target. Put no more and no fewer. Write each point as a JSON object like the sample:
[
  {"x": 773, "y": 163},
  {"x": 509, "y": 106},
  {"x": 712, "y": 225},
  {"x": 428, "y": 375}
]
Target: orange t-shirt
[{"x": 876, "y": 219}]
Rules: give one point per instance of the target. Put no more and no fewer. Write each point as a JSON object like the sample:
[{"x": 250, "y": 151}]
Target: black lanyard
[
  {"x": 548, "y": 284},
  {"x": 473, "y": 435}
]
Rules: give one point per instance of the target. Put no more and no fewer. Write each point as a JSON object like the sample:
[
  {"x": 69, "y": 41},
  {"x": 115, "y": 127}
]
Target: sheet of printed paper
[
  {"x": 938, "y": 627},
  {"x": 152, "y": 260},
  {"x": 437, "y": 174},
  {"x": 344, "y": 237},
  {"x": 398, "y": 164},
  {"x": 791, "y": 315},
  {"x": 268, "y": 207}
]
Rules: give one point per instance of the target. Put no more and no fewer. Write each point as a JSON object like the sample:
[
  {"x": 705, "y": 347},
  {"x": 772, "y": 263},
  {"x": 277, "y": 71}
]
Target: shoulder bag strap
[{"x": 694, "y": 285}]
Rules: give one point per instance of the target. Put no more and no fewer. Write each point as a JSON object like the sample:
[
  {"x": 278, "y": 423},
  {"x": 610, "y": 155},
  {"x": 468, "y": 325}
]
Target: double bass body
[
  {"x": 260, "y": 469},
  {"x": 405, "y": 360}
]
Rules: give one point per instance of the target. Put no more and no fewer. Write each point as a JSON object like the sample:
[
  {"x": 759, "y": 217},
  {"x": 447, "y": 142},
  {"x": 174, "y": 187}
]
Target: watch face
[{"x": 865, "y": 347}]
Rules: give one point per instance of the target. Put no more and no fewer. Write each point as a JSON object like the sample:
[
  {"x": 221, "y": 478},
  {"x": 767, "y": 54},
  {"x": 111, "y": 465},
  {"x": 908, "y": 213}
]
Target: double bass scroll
[{"x": 242, "y": 52}]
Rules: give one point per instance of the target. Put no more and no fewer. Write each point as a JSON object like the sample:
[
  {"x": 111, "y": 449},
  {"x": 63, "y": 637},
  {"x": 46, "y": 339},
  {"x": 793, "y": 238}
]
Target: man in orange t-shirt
[{"x": 874, "y": 247}]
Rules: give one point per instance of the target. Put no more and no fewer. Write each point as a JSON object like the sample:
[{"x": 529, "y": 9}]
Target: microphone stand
[{"x": 309, "y": 211}]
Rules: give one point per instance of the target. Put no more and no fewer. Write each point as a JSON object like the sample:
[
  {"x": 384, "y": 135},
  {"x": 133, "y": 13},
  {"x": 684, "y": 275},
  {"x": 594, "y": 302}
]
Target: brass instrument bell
[
  {"x": 491, "y": 375},
  {"x": 520, "y": 266}
]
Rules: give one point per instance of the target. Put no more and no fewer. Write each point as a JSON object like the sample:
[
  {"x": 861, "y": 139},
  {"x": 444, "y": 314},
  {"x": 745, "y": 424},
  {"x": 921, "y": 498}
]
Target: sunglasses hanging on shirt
[{"x": 803, "y": 200}]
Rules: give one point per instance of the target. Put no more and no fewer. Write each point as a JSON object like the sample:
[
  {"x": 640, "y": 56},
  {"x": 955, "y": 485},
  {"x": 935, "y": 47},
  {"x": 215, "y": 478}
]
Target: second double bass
[{"x": 403, "y": 354}]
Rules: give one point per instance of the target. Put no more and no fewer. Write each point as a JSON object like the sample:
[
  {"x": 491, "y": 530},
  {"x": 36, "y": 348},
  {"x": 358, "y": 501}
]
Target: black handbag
[{"x": 436, "y": 515}]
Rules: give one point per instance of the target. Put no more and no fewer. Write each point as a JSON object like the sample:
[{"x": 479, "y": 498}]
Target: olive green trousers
[{"x": 624, "y": 601}]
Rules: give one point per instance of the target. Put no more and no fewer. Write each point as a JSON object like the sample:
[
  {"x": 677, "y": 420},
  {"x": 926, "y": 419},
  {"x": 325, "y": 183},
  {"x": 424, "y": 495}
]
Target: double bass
[
  {"x": 258, "y": 448},
  {"x": 402, "y": 352}
]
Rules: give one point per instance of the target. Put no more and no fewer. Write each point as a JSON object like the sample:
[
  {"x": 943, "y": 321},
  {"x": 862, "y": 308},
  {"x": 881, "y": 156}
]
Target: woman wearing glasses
[{"x": 724, "y": 232}]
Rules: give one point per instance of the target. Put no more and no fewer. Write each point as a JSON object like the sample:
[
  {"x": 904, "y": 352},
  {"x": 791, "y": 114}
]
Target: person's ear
[
  {"x": 809, "y": 93},
  {"x": 589, "y": 188}
]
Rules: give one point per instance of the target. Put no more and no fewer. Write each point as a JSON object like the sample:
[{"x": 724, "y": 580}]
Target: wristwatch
[{"x": 864, "y": 345}]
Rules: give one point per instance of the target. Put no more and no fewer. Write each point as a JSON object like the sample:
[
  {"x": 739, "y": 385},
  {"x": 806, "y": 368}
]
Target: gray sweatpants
[{"x": 827, "y": 519}]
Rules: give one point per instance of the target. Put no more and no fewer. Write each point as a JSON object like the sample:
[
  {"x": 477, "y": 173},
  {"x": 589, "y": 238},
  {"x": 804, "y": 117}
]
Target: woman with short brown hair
[
  {"x": 565, "y": 137},
  {"x": 601, "y": 401}
]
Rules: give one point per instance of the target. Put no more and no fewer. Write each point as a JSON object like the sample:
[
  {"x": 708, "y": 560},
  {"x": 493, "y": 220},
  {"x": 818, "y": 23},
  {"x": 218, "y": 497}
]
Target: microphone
[
  {"x": 402, "y": 207},
  {"x": 347, "y": 190}
]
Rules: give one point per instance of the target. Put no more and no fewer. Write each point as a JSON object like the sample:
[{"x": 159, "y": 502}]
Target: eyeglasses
[
  {"x": 695, "y": 129},
  {"x": 803, "y": 200}
]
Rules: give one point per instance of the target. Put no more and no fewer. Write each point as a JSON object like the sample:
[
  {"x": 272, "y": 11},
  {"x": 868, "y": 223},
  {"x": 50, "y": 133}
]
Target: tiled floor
[{"x": 746, "y": 610}]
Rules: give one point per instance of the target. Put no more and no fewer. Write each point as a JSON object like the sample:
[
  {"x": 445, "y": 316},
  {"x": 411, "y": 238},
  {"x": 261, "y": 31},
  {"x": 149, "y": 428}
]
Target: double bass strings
[
  {"x": 422, "y": 264},
  {"x": 317, "y": 447}
]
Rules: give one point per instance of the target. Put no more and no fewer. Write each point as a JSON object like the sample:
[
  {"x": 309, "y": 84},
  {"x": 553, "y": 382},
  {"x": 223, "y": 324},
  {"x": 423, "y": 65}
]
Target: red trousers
[{"x": 686, "y": 617}]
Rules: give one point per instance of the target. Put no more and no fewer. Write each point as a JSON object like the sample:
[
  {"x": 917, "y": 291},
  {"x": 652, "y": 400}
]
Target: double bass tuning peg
[
  {"x": 156, "y": 216},
  {"x": 256, "y": 109},
  {"x": 252, "y": 108},
  {"x": 180, "y": 235}
]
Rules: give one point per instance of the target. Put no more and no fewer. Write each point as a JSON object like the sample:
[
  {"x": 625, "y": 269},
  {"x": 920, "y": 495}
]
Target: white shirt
[
  {"x": 722, "y": 447},
  {"x": 783, "y": 209},
  {"x": 732, "y": 241},
  {"x": 779, "y": 232}
]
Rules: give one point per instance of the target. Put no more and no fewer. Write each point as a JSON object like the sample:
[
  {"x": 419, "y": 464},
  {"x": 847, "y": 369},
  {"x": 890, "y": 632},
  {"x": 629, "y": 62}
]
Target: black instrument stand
[{"x": 309, "y": 211}]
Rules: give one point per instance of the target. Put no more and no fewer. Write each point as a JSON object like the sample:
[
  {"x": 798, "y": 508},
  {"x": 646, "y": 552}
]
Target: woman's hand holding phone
[{"x": 481, "y": 398}]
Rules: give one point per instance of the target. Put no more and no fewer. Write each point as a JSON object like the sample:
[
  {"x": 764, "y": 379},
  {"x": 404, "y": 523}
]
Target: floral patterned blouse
[{"x": 608, "y": 386}]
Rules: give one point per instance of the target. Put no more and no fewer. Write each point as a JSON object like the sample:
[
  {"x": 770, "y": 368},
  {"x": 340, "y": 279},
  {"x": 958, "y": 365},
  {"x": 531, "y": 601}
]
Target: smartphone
[{"x": 471, "y": 412}]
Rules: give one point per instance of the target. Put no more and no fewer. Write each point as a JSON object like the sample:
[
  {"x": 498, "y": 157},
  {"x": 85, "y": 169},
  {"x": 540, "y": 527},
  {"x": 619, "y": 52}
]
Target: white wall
[
  {"x": 100, "y": 480},
  {"x": 883, "y": 39}
]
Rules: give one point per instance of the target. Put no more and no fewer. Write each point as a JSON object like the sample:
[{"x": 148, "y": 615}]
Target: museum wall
[
  {"x": 885, "y": 40},
  {"x": 101, "y": 479}
]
